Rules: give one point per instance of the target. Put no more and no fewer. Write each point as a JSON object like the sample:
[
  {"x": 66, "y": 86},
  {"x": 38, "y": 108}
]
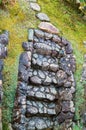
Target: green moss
[{"x": 16, "y": 19}]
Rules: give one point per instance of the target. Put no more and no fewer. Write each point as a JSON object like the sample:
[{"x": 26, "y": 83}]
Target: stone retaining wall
[
  {"x": 3, "y": 53},
  {"x": 44, "y": 96}
]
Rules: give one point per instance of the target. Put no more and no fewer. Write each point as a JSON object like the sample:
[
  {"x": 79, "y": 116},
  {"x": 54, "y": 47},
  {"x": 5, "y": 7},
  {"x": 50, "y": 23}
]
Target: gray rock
[
  {"x": 35, "y": 80},
  {"x": 47, "y": 81},
  {"x": 66, "y": 95},
  {"x": 50, "y": 97},
  {"x": 64, "y": 116},
  {"x": 45, "y": 66},
  {"x": 39, "y": 62},
  {"x": 42, "y": 17},
  {"x": 25, "y": 58},
  {"x": 56, "y": 38},
  {"x": 4, "y": 39},
  {"x": 67, "y": 84},
  {"x": 54, "y": 67},
  {"x": 54, "y": 80},
  {"x": 31, "y": 110},
  {"x": 34, "y": 62},
  {"x": 35, "y": 73},
  {"x": 3, "y": 51},
  {"x": 51, "y": 112},
  {"x": 61, "y": 77},
  {"x": 48, "y": 35},
  {"x": 69, "y": 49},
  {"x": 40, "y": 95},
  {"x": 35, "y": 55},
  {"x": 41, "y": 74},
  {"x": 30, "y": 35},
  {"x": 39, "y": 33},
  {"x": 48, "y": 27},
  {"x": 40, "y": 124},
  {"x": 1, "y": 65},
  {"x": 35, "y": 6},
  {"x": 32, "y": 124},
  {"x": 43, "y": 48},
  {"x": 53, "y": 90},
  {"x": 27, "y": 46}
]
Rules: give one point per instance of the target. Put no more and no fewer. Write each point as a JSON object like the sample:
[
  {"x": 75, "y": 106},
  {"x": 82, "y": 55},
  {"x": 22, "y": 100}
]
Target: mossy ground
[{"x": 17, "y": 19}]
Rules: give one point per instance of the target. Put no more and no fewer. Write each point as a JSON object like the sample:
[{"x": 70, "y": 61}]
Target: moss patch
[{"x": 16, "y": 19}]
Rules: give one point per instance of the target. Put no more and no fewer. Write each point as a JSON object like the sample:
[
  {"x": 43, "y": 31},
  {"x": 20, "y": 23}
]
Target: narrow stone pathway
[
  {"x": 44, "y": 96},
  {"x": 4, "y": 38}
]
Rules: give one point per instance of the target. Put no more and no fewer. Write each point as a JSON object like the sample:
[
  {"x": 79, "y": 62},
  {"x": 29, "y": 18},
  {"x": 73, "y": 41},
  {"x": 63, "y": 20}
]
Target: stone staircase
[{"x": 44, "y": 96}]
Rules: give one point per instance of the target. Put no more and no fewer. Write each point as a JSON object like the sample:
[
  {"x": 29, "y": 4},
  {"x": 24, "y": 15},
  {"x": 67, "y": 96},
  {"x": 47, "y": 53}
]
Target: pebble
[
  {"x": 35, "y": 80},
  {"x": 48, "y": 27},
  {"x": 35, "y": 6},
  {"x": 42, "y": 17},
  {"x": 41, "y": 74},
  {"x": 39, "y": 33}
]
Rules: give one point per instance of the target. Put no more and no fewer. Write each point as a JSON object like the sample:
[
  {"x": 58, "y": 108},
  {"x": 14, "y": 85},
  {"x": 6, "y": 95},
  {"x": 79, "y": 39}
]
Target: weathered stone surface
[
  {"x": 48, "y": 27},
  {"x": 35, "y": 80},
  {"x": 35, "y": 6},
  {"x": 69, "y": 49},
  {"x": 1, "y": 65},
  {"x": 54, "y": 67},
  {"x": 25, "y": 59},
  {"x": 39, "y": 33},
  {"x": 56, "y": 38},
  {"x": 4, "y": 39},
  {"x": 61, "y": 77},
  {"x": 42, "y": 17},
  {"x": 41, "y": 92},
  {"x": 67, "y": 63},
  {"x": 45, "y": 94},
  {"x": 63, "y": 116},
  {"x": 27, "y": 46},
  {"x": 30, "y": 34},
  {"x": 48, "y": 35}
]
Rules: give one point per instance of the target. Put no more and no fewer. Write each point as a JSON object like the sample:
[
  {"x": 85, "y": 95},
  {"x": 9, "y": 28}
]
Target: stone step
[
  {"x": 42, "y": 92},
  {"x": 41, "y": 108},
  {"x": 45, "y": 62},
  {"x": 47, "y": 48},
  {"x": 36, "y": 122},
  {"x": 39, "y": 77}
]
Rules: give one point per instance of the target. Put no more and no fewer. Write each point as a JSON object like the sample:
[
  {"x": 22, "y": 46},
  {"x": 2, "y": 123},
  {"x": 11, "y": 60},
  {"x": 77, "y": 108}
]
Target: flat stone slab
[
  {"x": 43, "y": 17},
  {"x": 35, "y": 6},
  {"x": 48, "y": 27}
]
